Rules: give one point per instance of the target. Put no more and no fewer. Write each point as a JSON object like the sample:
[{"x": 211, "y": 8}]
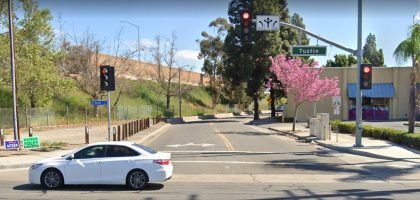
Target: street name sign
[
  {"x": 300, "y": 50},
  {"x": 98, "y": 102},
  {"x": 31, "y": 142},
  {"x": 11, "y": 144},
  {"x": 268, "y": 23}
]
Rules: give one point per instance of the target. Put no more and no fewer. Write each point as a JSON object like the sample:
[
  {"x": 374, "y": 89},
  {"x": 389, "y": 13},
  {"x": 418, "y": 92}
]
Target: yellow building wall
[{"x": 399, "y": 76}]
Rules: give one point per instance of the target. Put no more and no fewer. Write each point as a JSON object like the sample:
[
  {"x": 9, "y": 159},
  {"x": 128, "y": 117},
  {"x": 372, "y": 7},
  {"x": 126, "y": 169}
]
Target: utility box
[
  {"x": 315, "y": 127},
  {"x": 325, "y": 133}
]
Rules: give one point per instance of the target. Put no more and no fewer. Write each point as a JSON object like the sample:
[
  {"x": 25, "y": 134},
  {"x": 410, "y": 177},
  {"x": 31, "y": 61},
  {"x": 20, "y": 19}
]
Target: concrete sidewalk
[
  {"x": 18, "y": 159},
  {"x": 373, "y": 148}
]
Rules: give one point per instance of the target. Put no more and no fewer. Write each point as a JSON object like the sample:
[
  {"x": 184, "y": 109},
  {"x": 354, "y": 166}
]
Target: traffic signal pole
[
  {"x": 109, "y": 115},
  {"x": 358, "y": 142}
]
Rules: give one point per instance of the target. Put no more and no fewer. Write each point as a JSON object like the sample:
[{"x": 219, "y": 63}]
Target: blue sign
[
  {"x": 11, "y": 144},
  {"x": 99, "y": 102}
]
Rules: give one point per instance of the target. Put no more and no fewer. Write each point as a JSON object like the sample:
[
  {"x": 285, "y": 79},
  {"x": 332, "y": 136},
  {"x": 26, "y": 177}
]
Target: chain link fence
[{"x": 44, "y": 117}]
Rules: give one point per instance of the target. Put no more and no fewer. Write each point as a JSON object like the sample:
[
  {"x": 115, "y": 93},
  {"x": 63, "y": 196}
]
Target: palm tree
[{"x": 410, "y": 49}]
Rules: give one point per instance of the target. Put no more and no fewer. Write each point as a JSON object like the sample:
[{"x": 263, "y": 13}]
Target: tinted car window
[
  {"x": 144, "y": 148},
  {"x": 91, "y": 152},
  {"x": 120, "y": 151}
]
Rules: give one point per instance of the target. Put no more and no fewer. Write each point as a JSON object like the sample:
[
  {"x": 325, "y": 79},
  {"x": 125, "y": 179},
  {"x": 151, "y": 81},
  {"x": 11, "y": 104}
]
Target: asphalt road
[{"x": 229, "y": 159}]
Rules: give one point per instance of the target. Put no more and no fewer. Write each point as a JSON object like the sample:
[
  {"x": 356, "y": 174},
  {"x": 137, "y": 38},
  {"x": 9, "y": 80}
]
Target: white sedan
[{"x": 119, "y": 163}]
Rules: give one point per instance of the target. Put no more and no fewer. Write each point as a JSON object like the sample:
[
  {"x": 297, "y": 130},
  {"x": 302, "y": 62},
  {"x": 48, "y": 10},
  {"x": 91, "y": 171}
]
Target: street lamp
[{"x": 138, "y": 38}]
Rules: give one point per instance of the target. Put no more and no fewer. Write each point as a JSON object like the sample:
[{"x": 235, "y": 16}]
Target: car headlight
[{"x": 35, "y": 166}]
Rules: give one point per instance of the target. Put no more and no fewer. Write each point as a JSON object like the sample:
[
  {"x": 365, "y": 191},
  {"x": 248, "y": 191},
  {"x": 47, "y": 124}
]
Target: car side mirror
[{"x": 71, "y": 157}]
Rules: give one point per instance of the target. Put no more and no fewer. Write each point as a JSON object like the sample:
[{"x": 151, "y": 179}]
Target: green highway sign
[
  {"x": 31, "y": 142},
  {"x": 309, "y": 50}
]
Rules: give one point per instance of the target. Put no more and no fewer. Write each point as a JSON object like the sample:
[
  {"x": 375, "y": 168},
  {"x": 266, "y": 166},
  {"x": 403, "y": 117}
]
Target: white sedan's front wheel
[
  {"x": 52, "y": 179},
  {"x": 137, "y": 179}
]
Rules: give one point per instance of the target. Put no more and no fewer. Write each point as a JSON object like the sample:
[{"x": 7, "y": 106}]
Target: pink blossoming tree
[{"x": 303, "y": 81}]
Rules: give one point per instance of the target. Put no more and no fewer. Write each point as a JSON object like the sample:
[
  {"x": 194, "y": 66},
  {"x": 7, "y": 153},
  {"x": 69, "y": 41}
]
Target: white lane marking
[
  {"x": 249, "y": 152},
  {"x": 189, "y": 144},
  {"x": 267, "y": 178},
  {"x": 241, "y": 162}
]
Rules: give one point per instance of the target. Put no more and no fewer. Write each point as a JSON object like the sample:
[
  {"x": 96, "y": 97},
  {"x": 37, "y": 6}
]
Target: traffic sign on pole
[
  {"x": 300, "y": 50},
  {"x": 98, "y": 102},
  {"x": 268, "y": 23}
]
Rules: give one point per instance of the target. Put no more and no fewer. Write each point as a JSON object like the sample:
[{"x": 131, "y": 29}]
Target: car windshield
[{"x": 147, "y": 149}]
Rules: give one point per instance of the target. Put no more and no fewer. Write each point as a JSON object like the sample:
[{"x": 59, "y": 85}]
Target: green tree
[
  {"x": 341, "y": 60},
  {"x": 370, "y": 54},
  {"x": 38, "y": 80},
  {"x": 211, "y": 50},
  {"x": 249, "y": 63},
  {"x": 410, "y": 49}
]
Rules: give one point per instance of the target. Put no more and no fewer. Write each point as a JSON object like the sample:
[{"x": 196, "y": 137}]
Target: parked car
[{"x": 119, "y": 163}]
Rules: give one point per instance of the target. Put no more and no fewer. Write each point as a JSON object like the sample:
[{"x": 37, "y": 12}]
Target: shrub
[
  {"x": 334, "y": 124},
  {"x": 347, "y": 127}
]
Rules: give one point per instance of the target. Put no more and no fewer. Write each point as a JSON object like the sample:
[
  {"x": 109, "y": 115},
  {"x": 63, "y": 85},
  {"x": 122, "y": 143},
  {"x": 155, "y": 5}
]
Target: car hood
[{"x": 47, "y": 160}]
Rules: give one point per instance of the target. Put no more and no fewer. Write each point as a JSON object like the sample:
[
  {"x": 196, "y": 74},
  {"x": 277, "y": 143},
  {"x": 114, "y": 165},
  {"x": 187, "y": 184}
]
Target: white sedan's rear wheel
[
  {"x": 137, "y": 180},
  {"x": 52, "y": 179}
]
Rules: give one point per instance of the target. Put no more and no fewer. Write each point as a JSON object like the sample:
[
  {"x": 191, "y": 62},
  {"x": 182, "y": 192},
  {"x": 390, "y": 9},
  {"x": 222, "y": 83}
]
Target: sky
[{"x": 336, "y": 20}]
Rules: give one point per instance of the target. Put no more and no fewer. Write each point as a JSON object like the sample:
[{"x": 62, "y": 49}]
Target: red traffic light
[
  {"x": 104, "y": 71},
  {"x": 245, "y": 15},
  {"x": 367, "y": 69}
]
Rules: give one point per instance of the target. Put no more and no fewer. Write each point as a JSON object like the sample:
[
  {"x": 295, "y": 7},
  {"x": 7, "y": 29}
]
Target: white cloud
[
  {"x": 187, "y": 54},
  {"x": 417, "y": 17},
  {"x": 147, "y": 43}
]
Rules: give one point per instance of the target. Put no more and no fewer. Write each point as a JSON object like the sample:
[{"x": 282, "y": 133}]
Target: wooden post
[
  {"x": 119, "y": 133},
  {"x": 1, "y": 137},
  {"x": 114, "y": 134},
  {"x": 86, "y": 134}
]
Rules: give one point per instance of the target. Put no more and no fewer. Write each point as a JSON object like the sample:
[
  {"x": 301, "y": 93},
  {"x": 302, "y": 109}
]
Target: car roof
[{"x": 125, "y": 143}]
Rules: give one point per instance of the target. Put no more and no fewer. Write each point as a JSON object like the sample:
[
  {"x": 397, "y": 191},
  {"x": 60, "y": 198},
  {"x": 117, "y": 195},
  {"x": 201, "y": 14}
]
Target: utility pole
[
  {"x": 179, "y": 91},
  {"x": 358, "y": 142},
  {"x": 13, "y": 72}
]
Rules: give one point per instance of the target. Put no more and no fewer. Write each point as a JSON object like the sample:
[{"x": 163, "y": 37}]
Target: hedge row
[{"x": 397, "y": 136}]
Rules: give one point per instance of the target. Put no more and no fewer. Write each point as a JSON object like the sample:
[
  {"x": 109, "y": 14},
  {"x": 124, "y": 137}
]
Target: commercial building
[{"x": 387, "y": 100}]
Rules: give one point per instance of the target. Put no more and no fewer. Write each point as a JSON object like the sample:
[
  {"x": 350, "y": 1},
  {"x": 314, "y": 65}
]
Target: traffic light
[
  {"x": 246, "y": 26},
  {"x": 366, "y": 77},
  {"x": 107, "y": 78}
]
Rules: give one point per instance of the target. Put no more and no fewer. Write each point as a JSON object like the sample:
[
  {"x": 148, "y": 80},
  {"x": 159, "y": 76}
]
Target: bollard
[
  {"x": 130, "y": 129},
  {"x": 1, "y": 137},
  {"x": 141, "y": 125},
  {"x": 114, "y": 134},
  {"x": 119, "y": 133},
  {"x": 87, "y": 134},
  {"x": 122, "y": 132},
  {"x": 30, "y": 132},
  {"x": 148, "y": 122}
]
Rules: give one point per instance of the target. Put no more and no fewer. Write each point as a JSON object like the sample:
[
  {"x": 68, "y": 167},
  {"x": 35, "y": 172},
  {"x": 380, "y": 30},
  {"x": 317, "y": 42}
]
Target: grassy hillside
[{"x": 74, "y": 107}]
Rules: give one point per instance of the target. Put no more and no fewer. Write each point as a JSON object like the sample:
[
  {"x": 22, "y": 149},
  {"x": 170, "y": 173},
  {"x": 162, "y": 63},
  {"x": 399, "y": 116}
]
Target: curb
[
  {"x": 284, "y": 133},
  {"x": 340, "y": 149},
  {"x": 356, "y": 152},
  {"x": 153, "y": 133}
]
